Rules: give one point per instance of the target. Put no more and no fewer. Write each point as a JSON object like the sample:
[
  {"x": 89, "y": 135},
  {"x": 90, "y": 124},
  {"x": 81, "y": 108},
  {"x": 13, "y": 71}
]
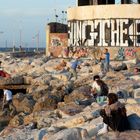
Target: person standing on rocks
[
  {"x": 114, "y": 115},
  {"x": 105, "y": 61},
  {"x": 7, "y": 101},
  {"x": 73, "y": 66}
]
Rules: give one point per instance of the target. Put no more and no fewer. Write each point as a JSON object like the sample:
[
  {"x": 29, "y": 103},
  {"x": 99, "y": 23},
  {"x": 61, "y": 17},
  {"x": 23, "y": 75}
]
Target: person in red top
[{"x": 3, "y": 73}]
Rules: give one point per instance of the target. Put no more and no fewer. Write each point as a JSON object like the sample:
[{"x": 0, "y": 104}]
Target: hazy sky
[{"x": 29, "y": 17}]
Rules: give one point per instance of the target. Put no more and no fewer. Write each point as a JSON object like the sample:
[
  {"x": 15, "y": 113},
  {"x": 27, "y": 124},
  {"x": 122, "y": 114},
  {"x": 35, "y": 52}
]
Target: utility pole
[
  {"x": 20, "y": 39},
  {"x": 37, "y": 41},
  {"x": 6, "y": 44},
  {"x": 56, "y": 16}
]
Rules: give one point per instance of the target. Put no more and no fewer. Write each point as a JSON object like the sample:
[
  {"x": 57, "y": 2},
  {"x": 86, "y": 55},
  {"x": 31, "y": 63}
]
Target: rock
[
  {"x": 45, "y": 103},
  {"x": 133, "y": 108},
  {"x": 128, "y": 135},
  {"x": 29, "y": 118},
  {"x": 62, "y": 77},
  {"x": 120, "y": 67},
  {"x": 56, "y": 84},
  {"x": 70, "y": 109},
  {"x": 16, "y": 80},
  {"x": 96, "y": 69},
  {"x": 39, "y": 92},
  {"x": 74, "y": 121},
  {"x": 37, "y": 62},
  {"x": 71, "y": 134},
  {"x": 40, "y": 134},
  {"x": 28, "y": 79},
  {"x": 42, "y": 80},
  {"x": 93, "y": 126},
  {"x": 80, "y": 93},
  {"x": 23, "y": 103},
  {"x": 136, "y": 93},
  {"x": 17, "y": 120},
  {"x": 42, "y": 118},
  {"x": 131, "y": 101},
  {"x": 135, "y": 77},
  {"x": 8, "y": 130}
]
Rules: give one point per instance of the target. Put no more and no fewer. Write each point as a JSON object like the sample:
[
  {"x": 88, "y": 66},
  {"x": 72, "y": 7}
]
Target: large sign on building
[{"x": 104, "y": 32}]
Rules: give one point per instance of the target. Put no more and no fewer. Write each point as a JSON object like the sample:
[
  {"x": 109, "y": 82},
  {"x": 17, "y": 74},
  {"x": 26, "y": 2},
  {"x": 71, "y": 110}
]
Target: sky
[{"x": 21, "y": 20}]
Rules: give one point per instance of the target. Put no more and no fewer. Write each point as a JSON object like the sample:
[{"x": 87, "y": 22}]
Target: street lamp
[
  {"x": 63, "y": 16},
  {"x": 56, "y": 16},
  {"x": 1, "y": 32},
  {"x": 37, "y": 40}
]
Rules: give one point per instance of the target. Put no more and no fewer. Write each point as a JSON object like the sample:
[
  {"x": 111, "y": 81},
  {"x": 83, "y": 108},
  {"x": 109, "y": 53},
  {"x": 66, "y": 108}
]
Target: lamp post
[
  {"x": 1, "y": 32},
  {"x": 56, "y": 16},
  {"x": 37, "y": 40},
  {"x": 63, "y": 16}
]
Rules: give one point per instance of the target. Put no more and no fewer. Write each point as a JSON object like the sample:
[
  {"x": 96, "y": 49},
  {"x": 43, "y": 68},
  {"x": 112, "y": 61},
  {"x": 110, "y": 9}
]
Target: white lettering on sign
[{"x": 108, "y": 32}]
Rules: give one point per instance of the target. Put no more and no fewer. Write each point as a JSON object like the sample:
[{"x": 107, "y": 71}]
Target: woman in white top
[
  {"x": 96, "y": 92},
  {"x": 96, "y": 87}
]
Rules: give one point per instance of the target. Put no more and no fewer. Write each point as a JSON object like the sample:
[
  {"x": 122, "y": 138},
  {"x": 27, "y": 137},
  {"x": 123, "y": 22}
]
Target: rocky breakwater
[{"x": 46, "y": 111}]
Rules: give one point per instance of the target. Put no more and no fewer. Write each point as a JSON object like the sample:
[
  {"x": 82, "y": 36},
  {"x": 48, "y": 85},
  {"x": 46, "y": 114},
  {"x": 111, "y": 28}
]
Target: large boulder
[
  {"x": 23, "y": 103},
  {"x": 45, "y": 103},
  {"x": 127, "y": 135},
  {"x": 70, "y": 134},
  {"x": 42, "y": 80},
  {"x": 40, "y": 134},
  {"x": 70, "y": 109},
  {"x": 17, "y": 120},
  {"x": 42, "y": 118},
  {"x": 80, "y": 93},
  {"x": 136, "y": 93},
  {"x": 133, "y": 108},
  {"x": 15, "y": 80}
]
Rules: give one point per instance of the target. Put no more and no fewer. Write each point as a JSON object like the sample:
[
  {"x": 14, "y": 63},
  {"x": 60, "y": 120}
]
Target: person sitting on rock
[
  {"x": 99, "y": 92},
  {"x": 114, "y": 115},
  {"x": 3, "y": 73},
  {"x": 7, "y": 101}
]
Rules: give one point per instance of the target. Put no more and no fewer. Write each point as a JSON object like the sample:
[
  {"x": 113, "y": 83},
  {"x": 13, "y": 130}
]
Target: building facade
[
  {"x": 56, "y": 39},
  {"x": 106, "y": 23}
]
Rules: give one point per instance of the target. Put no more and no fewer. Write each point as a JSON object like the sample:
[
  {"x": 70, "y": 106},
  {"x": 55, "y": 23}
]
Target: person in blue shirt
[
  {"x": 107, "y": 60},
  {"x": 73, "y": 66}
]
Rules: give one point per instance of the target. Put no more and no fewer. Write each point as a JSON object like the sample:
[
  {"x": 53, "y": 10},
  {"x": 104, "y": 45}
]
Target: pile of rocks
[{"x": 47, "y": 111}]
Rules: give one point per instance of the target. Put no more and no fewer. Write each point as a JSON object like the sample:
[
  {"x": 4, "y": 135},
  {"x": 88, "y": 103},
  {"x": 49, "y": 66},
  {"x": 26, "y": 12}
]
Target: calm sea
[{"x": 24, "y": 49}]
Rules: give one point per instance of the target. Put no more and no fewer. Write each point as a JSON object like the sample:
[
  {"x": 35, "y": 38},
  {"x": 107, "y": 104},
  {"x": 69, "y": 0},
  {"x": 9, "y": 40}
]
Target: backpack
[{"x": 104, "y": 89}]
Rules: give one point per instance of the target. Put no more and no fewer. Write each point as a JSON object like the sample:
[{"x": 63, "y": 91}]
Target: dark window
[
  {"x": 83, "y": 2},
  {"x": 101, "y": 2},
  {"x": 138, "y": 27},
  {"x": 125, "y": 1},
  {"x": 111, "y": 2}
]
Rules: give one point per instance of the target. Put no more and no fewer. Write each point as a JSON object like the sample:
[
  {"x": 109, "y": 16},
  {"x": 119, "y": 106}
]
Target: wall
[
  {"x": 56, "y": 38},
  {"x": 104, "y": 32},
  {"x": 57, "y": 43},
  {"x": 104, "y": 25}
]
